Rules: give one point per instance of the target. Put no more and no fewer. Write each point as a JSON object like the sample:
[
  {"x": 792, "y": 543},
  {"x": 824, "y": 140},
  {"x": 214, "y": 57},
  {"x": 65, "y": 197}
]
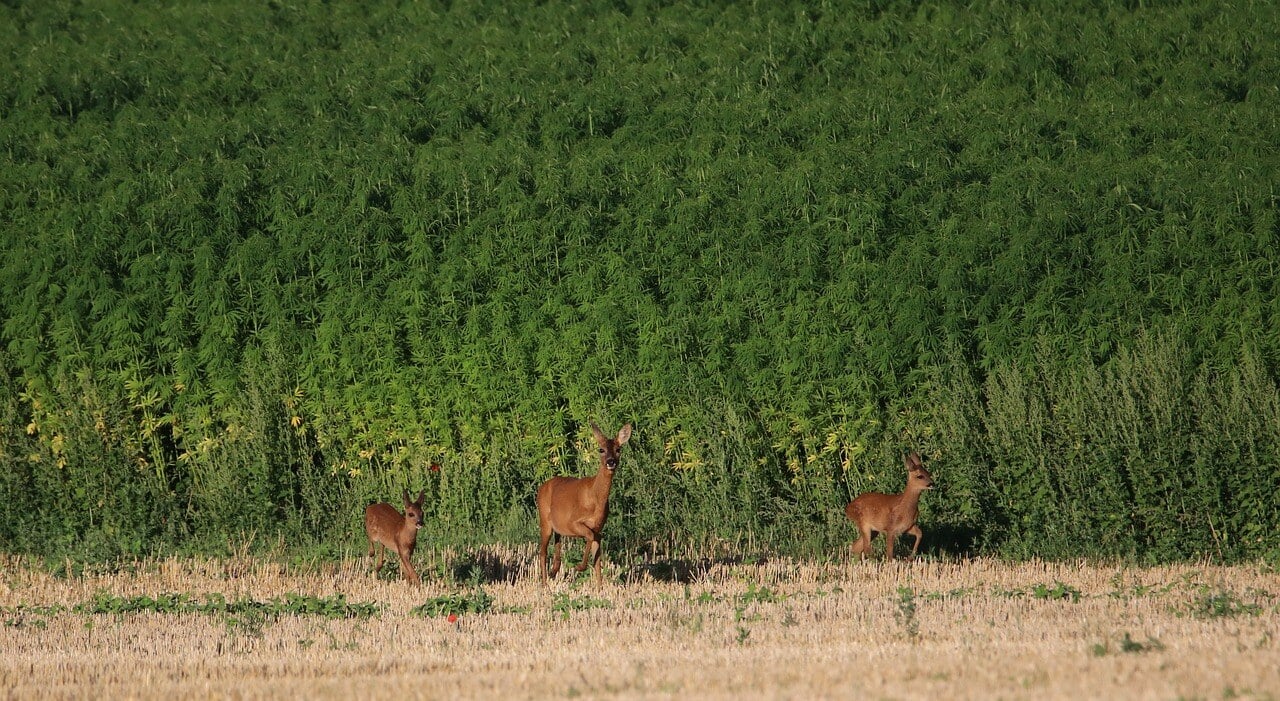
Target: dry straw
[{"x": 957, "y": 629}]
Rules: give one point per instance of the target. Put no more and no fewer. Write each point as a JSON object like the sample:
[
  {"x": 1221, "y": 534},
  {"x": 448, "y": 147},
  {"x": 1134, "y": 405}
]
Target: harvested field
[{"x": 253, "y": 628}]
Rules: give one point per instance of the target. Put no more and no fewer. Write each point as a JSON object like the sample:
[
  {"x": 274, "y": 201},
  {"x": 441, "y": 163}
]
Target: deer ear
[
  {"x": 624, "y": 434},
  {"x": 405, "y": 496},
  {"x": 422, "y": 494},
  {"x": 595, "y": 431}
]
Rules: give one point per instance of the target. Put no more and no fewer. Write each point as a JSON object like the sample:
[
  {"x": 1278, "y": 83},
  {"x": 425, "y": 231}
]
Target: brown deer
[
  {"x": 890, "y": 514},
  {"x": 385, "y": 526},
  {"x": 577, "y": 507}
]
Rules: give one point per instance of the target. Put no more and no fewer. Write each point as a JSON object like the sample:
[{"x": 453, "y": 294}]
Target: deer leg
[
  {"x": 543, "y": 540},
  {"x": 588, "y": 550},
  {"x": 889, "y": 538},
  {"x": 599, "y": 548},
  {"x": 406, "y": 568},
  {"x": 555, "y": 561},
  {"x": 915, "y": 531},
  {"x": 862, "y": 546},
  {"x": 381, "y": 552}
]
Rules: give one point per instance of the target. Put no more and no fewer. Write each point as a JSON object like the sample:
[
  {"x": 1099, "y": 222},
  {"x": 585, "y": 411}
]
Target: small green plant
[
  {"x": 1007, "y": 593},
  {"x": 756, "y": 594},
  {"x": 1128, "y": 645},
  {"x": 1137, "y": 591},
  {"x": 565, "y": 604},
  {"x": 475, "y": 601},
  {"x": 906, "y": 613},
  {"x": 958, "y": 593},
  {"x": 1223, "y": 604},
  {"x": 1057, "y": 592},
  {"x": 753, "y": 594}
]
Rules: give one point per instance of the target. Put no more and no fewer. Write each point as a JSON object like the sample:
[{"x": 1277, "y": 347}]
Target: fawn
[
  {"x": 385, "y": 526},
  {"x": 578, "y": 506},
  {"x": 891, "y": 514}
]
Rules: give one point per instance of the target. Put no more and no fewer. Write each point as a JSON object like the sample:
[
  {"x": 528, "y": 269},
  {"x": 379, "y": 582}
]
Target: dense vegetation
[{"x": 266, "y": 262}]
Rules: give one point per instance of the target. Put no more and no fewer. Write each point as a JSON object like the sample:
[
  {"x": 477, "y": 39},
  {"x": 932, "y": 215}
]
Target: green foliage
[
  {"x": 334, "y": 607},
  {"x": 1223, "y": 604},
  {"x": 475, "y": 601},
  {"x": 905, "y": 614},
  {"x": 564, "y": 604},
  {"x": 265, "y": 264},
  {"x": 241, "y": 616},
  {"x": 1057, "y": 592}
]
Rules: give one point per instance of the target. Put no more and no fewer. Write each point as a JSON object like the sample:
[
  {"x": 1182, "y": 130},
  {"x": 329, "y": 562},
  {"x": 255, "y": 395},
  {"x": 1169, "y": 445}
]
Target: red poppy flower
[
  {"x": 453, "y": 618},
  {"x": 435, "y": 467}
]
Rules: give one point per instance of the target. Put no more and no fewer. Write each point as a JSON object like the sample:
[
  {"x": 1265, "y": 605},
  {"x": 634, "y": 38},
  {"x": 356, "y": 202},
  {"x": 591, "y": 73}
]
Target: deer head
[
  {"x": 608, "y": 447},
  {"x": 918, "y": 478},
  {"x": 413, "y": 509}
]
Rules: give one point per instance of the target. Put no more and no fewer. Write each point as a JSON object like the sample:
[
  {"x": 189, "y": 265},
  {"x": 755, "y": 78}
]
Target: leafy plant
[
  {"x": 1223, "y": 604},
  {"x": 1128, "y": 645},
  {"x": 333, "y": 607},
  {"x": 905, "y": 614},
  {"x": 1052, "y": 300},
  {"x": 475, "y": 601},
  {"x": 1057, "y": 592},
  {"x": 564, "y": 604}
]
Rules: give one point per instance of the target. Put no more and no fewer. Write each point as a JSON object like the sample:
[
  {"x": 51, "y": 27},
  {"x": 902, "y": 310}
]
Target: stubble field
[{"x": 481, "y": 626}]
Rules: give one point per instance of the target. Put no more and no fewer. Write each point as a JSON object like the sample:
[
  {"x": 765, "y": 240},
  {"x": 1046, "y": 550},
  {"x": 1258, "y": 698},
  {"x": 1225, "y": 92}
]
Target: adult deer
[
  {"x": 576, "y": 507},
  {"x": 891, "y": 514},
  {"x": 385, "y": 526}
]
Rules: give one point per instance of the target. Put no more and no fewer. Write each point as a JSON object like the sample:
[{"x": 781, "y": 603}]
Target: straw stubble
[{"x": 957, "y": 629}]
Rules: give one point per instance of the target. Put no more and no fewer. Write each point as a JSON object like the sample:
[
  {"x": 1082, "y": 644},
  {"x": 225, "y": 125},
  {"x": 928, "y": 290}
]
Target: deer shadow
[
  {"x": 686, "y": 571},
  {"x": 484, "y": 566},
  {"x": 951, "y": 540}
]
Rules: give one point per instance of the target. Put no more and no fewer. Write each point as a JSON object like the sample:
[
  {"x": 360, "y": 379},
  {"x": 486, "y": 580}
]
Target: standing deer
[
  {"x": 891, "y": 514},
  {"x": 385, "y": 526},
  {"x": 577, "y": 507}
]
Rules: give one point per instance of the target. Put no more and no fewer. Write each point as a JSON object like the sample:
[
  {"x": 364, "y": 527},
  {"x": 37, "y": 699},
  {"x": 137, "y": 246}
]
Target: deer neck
[
  {"x": 602, "y": 482},
  {"x": 910, "y": 499},
  {"x": 408, "y": 530}
]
